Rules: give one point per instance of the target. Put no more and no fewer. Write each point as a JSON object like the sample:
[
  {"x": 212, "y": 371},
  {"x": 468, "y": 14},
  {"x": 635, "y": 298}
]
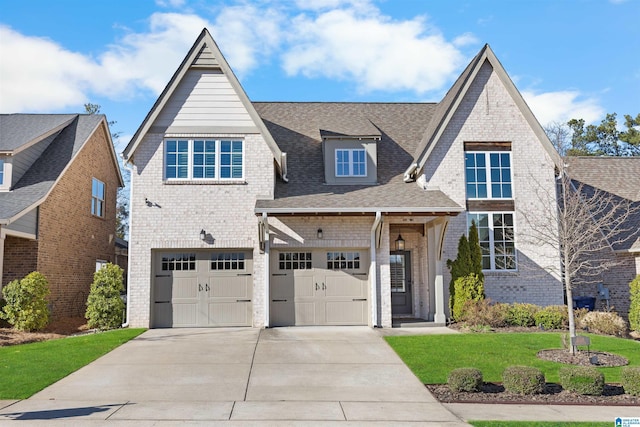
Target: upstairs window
[
  {"x": 204, "y": 159},
  {"x": 97, "y": 198},
  {"x": 351, "y": 162},
  {"x": 1, "y": 172},
  {"x": 488, "y": 175}
]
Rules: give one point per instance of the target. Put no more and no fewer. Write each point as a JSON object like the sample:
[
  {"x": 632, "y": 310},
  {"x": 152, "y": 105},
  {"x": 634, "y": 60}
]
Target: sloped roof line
[
  {"x": 204, "y": 39},
  {"x": 35, "y": 138},
  {"x": 450, "y": 103}
]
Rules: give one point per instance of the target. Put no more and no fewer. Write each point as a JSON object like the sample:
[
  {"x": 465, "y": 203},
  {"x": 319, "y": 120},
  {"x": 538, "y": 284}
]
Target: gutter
[
  {"x": 360, "y": 210},
  {"x": 410, "y": 173},
  {"x": 130, "y": 169},
  {"x": 373, "y": 277}
]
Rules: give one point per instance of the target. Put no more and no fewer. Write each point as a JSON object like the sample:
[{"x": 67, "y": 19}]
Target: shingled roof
[
  {"x": 69, "y": 133},
  {"x": 298, "y": 128},
  {"x": 619, "y": 176}
]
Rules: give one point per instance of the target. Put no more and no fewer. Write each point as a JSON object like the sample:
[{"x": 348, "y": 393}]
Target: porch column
[
  {"x": 436, "y": 233},
  {"x": 263, "y": 228}
]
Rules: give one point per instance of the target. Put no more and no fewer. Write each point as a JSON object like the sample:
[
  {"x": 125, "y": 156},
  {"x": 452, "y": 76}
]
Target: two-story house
[
  {"x": 276, "y": 213},
  {"x": 59, "y": 176}
]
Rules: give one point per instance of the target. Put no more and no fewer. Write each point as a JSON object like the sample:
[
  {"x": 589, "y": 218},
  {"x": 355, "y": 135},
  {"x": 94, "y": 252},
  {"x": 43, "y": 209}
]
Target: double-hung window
[
  {"x": 488, "y": 175},
  {"x": 497, "y": 239},
  {"x": 97, "y": 198},
  {"x": 351, "y": 162},
  {"x": 204, "y": 159}
]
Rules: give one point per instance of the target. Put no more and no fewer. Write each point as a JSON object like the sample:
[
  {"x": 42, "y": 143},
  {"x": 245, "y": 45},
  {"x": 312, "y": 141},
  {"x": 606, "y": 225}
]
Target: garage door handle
[
  {"x": 323, "y": 287},
  {"x": 359, "y": 299},
  {"x": 206, "y": 287},
  {"x": 199, "y": 287},
  {"x": 243, "y": 300},
  {"x": 279, "y": 300}
]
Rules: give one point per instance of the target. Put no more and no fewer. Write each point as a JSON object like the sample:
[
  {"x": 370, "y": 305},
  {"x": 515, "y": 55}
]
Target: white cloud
[
  {"x": 563, "y": 106},
  {"x": 372, "y": 50}
]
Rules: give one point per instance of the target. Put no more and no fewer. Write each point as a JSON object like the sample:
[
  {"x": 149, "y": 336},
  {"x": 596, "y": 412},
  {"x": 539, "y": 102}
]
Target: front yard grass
[
  {"x": 432, "y": 357},
  {"x": 26, "y": 369}
]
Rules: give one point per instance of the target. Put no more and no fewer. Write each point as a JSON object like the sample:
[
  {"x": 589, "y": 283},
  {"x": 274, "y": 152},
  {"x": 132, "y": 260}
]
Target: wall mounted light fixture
[
  {"x": 319, "y": 233},
  {"x": 399, "y": 243},
  {"x": 203, "y": 234}
]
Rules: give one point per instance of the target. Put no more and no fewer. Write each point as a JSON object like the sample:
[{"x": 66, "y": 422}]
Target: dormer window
[
  {"x": 351, "y": 162},
  {"x": 1, "y": 172}
]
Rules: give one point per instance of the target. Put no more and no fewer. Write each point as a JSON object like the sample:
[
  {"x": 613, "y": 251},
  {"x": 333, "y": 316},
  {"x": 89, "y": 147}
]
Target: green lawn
[
  {"x": 432, "y": 357},
  {"x": 28, "y": 368},
  {"x": 537, "y": 424}
]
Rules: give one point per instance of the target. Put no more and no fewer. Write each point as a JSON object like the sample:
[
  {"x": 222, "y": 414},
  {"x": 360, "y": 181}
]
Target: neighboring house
[
  {"x": 301, "y": 213},
  {"x": 620, "y": 177},
  {"x": 58, "y": 181}
]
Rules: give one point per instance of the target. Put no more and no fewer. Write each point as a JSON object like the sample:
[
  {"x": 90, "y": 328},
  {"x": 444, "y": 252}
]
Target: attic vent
[{"x": 205, "y": 58}]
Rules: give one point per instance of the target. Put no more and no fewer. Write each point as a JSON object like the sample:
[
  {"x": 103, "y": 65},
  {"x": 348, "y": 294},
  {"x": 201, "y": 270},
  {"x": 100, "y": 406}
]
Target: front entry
[{"x": 401, "y": 299}]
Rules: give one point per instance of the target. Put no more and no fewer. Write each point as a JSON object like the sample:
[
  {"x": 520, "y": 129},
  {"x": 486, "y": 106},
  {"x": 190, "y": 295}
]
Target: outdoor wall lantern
[
  {"x": 203, "y": 234},
  {"x": 399, "y": 243},
  {"x": 319, "y": 233}
]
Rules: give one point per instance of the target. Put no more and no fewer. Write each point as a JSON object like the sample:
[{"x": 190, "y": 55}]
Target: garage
[
  {"x": 202, "y": 288},
  {"x": 319, "y": 287}
]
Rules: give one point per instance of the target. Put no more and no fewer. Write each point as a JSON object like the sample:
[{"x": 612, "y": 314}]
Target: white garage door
[
  {"x": 319, "y": 287},
  {"x": 194, "y": 289}
]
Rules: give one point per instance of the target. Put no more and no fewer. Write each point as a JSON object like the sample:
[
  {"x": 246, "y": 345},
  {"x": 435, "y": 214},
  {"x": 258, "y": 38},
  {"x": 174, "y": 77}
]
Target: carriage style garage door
[
  {"x": 319, "y": 287},
  {"x": 197, "y": 288}
]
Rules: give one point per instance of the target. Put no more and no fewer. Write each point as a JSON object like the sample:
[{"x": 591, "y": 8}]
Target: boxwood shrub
[
  {"x": 523, "y": 380},
  {"x": 630, "y": 380},
  {"x": 26, "y": 302},
  {"x": 585, "y": 380},
  {"x": 552, "y": 317},
  {"x": 465, "y": 379},
  {"x": 522, "y": 314}
]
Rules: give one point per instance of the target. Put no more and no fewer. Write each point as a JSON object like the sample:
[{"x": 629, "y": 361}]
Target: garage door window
[
  {"x": 295, "y": 261},
  {"x": 227, "y": 261},
  {"x": 179, "y": 262},
  {"x": 343, "y": 260}
]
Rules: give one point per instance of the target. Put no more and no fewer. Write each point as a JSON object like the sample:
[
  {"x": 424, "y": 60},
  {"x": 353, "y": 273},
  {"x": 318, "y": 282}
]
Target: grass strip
[
  {"x": 26, "y": 369},
  {"x": 432, "y": 357}
]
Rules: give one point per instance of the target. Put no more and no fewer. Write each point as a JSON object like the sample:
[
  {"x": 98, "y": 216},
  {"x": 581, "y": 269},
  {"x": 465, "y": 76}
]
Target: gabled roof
[
  {"x": 203, "y": 54},
  {"x": 37, "y": 182},
  {"x": 20, "y": 131},
  {"x": 298, "y": 127},
  {"x": 449, "y": 104},
  {"x": 619, "y": 176}
]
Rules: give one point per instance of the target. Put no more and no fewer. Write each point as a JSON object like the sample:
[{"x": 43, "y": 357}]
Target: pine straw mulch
[{"x": 57, "y": 328}]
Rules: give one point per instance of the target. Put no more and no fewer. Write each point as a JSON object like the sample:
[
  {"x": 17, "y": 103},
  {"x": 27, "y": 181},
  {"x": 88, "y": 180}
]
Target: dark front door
[{"x": 401, "y": 301}]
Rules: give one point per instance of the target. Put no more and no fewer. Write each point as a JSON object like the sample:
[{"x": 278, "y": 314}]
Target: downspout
[
  {"x": 373, "y": 277},
  {"x": 409, "y": 174},
  {"x": 265, "y": 237},
  {"x": 283, "y": 167},
  {"x": 126, "y": 323}
]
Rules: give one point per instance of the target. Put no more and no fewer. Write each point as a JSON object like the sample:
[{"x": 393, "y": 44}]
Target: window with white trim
[
  {"x": 1, "y": 172},
  {"x": 496, "y": 232},
  {"x": 488, "y": 174},
  {"x": 97, "y": 198},
  {"x": 351, "y": 162},
  {"x": 204, "y": 159}
]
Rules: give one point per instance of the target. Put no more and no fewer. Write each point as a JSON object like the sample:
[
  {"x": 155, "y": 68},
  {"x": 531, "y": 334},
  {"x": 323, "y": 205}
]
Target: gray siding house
[{"x": 304, "y": 213}]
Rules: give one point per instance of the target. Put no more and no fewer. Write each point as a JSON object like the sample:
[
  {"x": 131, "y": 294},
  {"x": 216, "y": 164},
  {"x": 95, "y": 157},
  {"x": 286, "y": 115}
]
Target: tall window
[
  {"x": 497, "y": 241},
  {"x": 488, "y": 175},
  {"x": 351, "y": 162},
  {"x": 1, "y": 172},
  {"x": 97, "y": 198},
  {"x": 206, "y": 159}
]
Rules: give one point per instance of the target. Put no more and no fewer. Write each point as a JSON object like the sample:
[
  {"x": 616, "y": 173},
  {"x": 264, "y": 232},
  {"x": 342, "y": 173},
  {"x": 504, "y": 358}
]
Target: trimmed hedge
[
  {"x": 523, "y": 380},
  {"x": 522, "y": 314},
  {"x": 585, "y": 380},
  {"x": 552, "y": 317},
  {"x": 630, "y": 380},
  {"x": 634, "y": 308},
  {"x": 465, "y": 379}
]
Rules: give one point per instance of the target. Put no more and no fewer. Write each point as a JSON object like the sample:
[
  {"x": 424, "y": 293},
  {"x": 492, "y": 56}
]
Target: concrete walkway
[{"x": 280, "y": 376}]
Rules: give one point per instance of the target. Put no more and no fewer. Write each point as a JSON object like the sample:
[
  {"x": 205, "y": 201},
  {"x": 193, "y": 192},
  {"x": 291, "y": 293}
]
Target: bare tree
[
  {"x": 560, "y": 136},
  {"x": 584, "y": 228}
]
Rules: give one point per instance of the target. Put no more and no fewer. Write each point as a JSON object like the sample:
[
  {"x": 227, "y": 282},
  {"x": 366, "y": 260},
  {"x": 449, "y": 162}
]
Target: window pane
[
  {"x": 482, "y": 191},
  {"x": 469, "y": 160}
]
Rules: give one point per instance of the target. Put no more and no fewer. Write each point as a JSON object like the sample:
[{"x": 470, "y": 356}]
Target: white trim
[
  {"x": 21, "y": 234},
  {"x": 267, "y": 271},
  {"x": 362, "y": 210},
  {"x": 350, "y": 162},
  {"x": 488, "y": 181},
  {"x": 373, "y": 269},
  {"x": 217, "y": 163}
]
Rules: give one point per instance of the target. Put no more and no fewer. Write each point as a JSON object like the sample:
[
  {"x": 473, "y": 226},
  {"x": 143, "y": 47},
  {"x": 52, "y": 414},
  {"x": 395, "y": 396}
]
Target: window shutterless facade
[
  {"x": 97, "y": 198},
  {"x": 351, "y": 162},
  {"x": 204, "y": 159},
  {"x": 488, "y": 175},
  {"x": 496, "y": 232}
]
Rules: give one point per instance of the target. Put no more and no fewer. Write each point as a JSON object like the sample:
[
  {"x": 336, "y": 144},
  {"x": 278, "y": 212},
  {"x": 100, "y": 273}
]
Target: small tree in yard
[
  {"x": 105, "y": 308},
  {"x": 582, "y": 228},
  {"x": 634, "y": 309},
  {"x": 468, "y": 262},
  {"x": 26, "y": 302}
]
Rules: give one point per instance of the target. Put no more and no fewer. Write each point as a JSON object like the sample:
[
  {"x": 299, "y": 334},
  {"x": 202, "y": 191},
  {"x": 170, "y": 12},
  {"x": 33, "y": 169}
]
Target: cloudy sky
[{"x": 569, "y": 59}]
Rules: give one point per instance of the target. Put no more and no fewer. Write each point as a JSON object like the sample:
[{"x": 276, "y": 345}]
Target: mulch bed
[{"x": 57, "y": 328}]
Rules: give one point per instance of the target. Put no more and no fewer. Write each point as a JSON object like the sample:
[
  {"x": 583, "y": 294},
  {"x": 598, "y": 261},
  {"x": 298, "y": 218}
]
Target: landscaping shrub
[
  {"x": 26, "y": 304},
  {"x": 552, "y": 317},
  {"x": 523, "y": 380},
  {"x": 485, "y": 313},
  {"x": 604, "y": 322},
  {"x": 634, "y": 308},
  {"x": 522, "y": 314},
  {"x": 465, "y": 379},
  {"x": 467, "y": 288},
  {"x": 105, "y": 308},
  {"x": 585, "y": 380},
  {"x": 630, "y": 380}
]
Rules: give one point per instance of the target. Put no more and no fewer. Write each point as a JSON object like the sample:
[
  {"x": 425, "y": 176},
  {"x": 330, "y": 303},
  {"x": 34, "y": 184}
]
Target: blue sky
[{"x": 569, "y": 59}]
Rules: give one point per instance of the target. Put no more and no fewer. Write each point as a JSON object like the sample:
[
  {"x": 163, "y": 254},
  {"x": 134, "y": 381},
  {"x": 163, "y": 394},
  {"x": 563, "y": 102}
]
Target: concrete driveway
[{"x": 278, "y": 376}]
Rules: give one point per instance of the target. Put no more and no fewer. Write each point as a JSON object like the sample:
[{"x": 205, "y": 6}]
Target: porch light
[
  {"x": 319, "y": 234},
  {"x": 203, "y": 234},
  {"x": 399, "y": 243}
]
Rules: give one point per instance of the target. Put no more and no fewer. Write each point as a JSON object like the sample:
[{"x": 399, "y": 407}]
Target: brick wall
[
  {"x": 20, "y": 258},
  {"x": 70, "y": 238}
]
